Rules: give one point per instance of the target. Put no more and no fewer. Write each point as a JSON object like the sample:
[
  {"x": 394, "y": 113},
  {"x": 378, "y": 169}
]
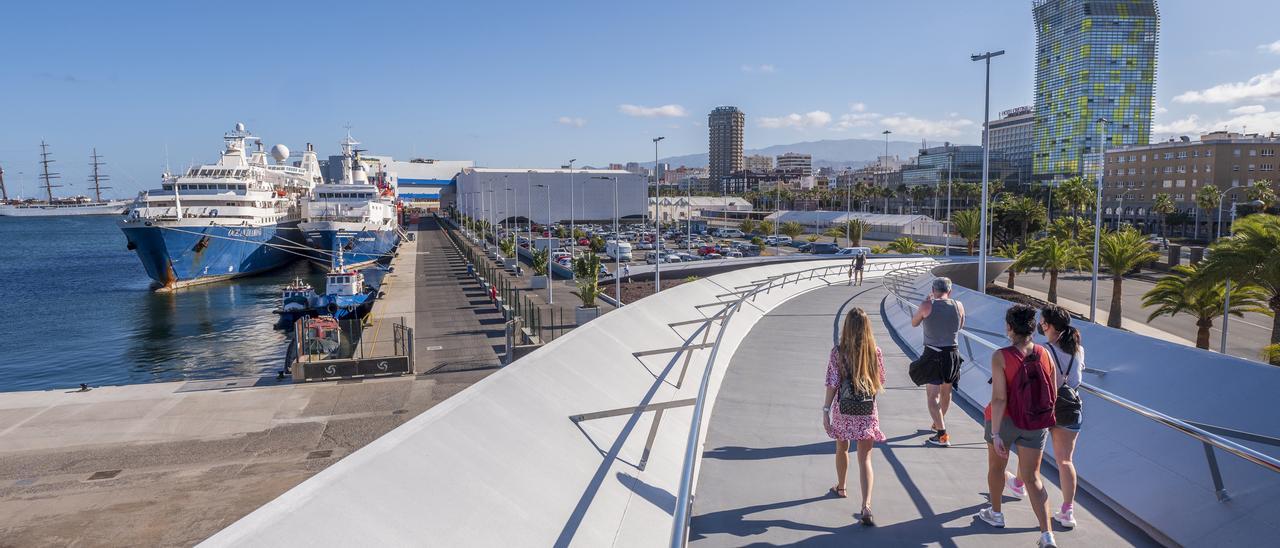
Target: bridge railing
[
  {"x": 976, "y": 351},
  {"x": 747, "y": 293}
]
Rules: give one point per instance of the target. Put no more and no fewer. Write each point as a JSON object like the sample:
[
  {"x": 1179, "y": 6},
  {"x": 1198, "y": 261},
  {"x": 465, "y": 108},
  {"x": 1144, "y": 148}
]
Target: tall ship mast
[
  {"x": 45, "y": 175},
  {"x": 4, "y": 192},
  {"x": 60, "y": 207},
  {"x": 236, "y": 217},
  {"x": 97, "y": 177}
]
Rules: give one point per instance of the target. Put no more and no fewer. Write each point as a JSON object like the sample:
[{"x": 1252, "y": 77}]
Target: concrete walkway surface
[{"x": 767, "y": 463}]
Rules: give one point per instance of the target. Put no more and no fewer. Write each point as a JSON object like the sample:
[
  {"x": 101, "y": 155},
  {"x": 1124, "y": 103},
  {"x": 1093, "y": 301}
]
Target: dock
[{"x": 173, "y": 463}]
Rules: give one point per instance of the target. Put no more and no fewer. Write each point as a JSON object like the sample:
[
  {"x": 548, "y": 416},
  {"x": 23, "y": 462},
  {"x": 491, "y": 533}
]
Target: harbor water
[{"x": 81, "y": 310}]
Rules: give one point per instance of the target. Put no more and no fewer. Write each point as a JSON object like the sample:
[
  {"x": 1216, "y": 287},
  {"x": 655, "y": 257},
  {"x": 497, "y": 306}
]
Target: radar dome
[
  {"x": 280, "y": 153},
  {"x": 239, "y": 126}
]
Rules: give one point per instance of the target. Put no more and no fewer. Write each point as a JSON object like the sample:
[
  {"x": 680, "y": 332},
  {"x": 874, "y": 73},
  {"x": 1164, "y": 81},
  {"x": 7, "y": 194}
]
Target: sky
[{"x": 534, "y": 84}]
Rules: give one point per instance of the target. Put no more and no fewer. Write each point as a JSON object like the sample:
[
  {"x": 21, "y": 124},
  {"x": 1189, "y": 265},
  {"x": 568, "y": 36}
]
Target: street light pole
[
  {"x": 551, "y": 278},
  {"x": 986, "y": 161},
  {"x": 1097, "y": 222},
  {"x": 573, "y": 247},
  {"x": 950, "y": 163},
  {"x": 528, "y": 185},
  {"x": 1226, "y": 302},
  {"x": 657, "y": 238}
]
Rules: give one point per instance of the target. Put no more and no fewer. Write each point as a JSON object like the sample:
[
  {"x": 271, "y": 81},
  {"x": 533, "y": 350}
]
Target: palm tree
[
  {"x": 1185, "y": 293},
  {"x": 1078, "y": 229},
  {"x": 1015, "y": 252},
  {"x": 855, "y": 229},
  {"x": 906, "y": 246},
  {"x": 886, "y": 193},
  {"x": 1122, "y": 251},
  {"x": 1024, "y": 211},
  {"x": 792, "y": 229},
  {"x": 1076, "y": 194},
  {"x": 1207, "y": 199},
  {"x": 1261, "y": 191},
  {"x": 765, "y": 227},
  {"x": 747, "y": 226},
  {"x": 1249, "y": 254},
  {"x": 918, "y": 194},
  {"x": 1163, "y": 206},
  {"x": 968, "y": 224},
  {"x": 1056, "y": 255}
]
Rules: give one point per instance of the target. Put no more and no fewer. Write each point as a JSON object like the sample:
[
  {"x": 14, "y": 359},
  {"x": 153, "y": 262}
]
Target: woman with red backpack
[
  {"x": 1020, "y": 414},
  {"x": 855, "y": 374}
]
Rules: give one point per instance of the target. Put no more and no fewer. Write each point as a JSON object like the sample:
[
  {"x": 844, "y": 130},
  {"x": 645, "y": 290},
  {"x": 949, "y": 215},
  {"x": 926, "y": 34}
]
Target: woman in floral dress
[{"x": 858, "y": 359}]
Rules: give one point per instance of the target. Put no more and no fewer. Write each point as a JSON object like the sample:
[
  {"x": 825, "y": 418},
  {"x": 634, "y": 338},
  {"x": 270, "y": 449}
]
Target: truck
[{"x": 619, "y": 250}]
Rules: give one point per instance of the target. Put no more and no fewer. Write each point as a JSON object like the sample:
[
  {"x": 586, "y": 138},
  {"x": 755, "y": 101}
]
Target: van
[
  {"x": 731, "y": 233},
  {"x": 618, "y": 250}
]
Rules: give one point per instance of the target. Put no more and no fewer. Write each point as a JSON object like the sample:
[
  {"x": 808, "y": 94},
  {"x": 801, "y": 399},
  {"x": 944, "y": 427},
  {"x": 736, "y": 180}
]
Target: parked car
[
  {"x": 686, "y": 257},
  {"x": 795, "y": 243},
  {"x": 731, "y": 233},
  {"x": 642, "y": 245},
  {"x": 851, "y": 251},
  {"x": 733, "y": 255},
  {"x": 711, "y": 256},
  {"x": 823, "y": 248},
  {"x": 707, "y": 250}
]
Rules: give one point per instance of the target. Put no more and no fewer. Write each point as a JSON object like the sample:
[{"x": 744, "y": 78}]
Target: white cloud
[
  {"x": 1260, "y": 87},
  {"x": 858, "y": 107},
  {"x": 856, "y": 119},
  {"x": 1248, "y": 109},
  {"x": 765, "y": 68},
  {"x": 1190, "y": 124},
  {"x": 1273, "y": 47},
  {"x": 664, "y": 111},
  {"x": 569, "y": 121},
  {"x": 1159, "y": 109},
  {"x": 812, "y": 119},
  {"x": 910, "y": 126}
]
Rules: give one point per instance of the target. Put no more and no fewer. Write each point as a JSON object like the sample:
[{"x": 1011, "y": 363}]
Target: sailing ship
[
  {"x": 236, "y": 217},
  {"x": 57, "y": 207}
]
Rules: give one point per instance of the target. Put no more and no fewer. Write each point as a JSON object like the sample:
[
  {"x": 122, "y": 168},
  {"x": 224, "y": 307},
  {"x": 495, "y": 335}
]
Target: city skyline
[{"x": 283, "y": 73}]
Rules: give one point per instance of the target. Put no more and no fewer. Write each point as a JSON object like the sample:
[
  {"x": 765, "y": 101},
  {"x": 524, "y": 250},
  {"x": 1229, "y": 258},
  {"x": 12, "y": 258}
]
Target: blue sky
[{"x": 537, "y": 83}]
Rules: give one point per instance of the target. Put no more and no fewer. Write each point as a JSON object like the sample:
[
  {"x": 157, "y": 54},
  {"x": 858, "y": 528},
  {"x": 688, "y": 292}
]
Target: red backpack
[{"x": 1031, "y": 390}]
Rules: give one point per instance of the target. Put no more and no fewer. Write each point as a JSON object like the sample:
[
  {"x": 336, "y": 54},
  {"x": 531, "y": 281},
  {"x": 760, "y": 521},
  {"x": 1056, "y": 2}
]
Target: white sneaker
[
  {"x": 993, "y": 518},
  {"x": 1011, "y": 488},
  {"x": 1047, "y": 541},
  {"x": 1066, "y": 519}
]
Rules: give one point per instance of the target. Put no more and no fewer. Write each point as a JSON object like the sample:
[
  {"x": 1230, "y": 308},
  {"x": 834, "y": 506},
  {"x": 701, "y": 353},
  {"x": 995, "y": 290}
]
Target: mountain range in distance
[{"x": 834, "y": 153}]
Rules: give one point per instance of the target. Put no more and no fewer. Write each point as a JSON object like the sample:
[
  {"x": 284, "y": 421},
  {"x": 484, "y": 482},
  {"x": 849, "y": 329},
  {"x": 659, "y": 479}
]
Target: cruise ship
[
  {"x": 352, "y": 215},
  {"x": 219, "y": 221}
]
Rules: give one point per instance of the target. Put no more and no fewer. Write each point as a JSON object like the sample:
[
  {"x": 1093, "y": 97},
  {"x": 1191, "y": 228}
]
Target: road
[{"x": 1246, "y": 337}]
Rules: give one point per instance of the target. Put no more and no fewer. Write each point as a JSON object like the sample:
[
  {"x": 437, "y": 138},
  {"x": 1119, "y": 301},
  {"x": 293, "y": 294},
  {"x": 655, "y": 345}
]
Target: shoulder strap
[{"x": 1058, "y": 362}]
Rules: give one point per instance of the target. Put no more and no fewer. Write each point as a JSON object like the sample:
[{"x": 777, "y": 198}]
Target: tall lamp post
[
  {"x": 1097, "y": 221},
  {"x": 528, "y": 185},
  {"x": 617, "y": 256},
  {"x": 1226, "y": 300},
  {"x": 657, "y": 238},
  {"x": 1221, "y": 196},
  {"x": 986, "y": 161},
  {"x": 573, "y": 247},
  {"x": 551, "y": 278},
  {"x": 950, "y": 163}
]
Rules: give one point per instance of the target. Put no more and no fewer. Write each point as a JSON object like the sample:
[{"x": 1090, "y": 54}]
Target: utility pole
[
  {"x": 97, "y": 178},
  {"x": 657, "y": 236},
  {"x": 986, "y": 161},
  {"x": 45, "y": 174},
  {"x": 1097, "y": 222}
]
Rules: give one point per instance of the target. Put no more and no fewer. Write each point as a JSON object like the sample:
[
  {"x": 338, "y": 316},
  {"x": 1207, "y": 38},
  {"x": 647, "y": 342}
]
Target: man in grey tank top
[{"x": 942, "y": 318}]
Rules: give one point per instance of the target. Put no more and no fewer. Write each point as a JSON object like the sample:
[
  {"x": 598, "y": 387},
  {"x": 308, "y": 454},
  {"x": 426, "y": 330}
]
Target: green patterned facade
[{"x": 1094, "y": 59}]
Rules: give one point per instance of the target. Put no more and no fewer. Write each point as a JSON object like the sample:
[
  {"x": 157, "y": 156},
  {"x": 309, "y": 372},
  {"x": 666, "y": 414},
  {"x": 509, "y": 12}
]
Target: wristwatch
[{"x": 826, "y": 409}]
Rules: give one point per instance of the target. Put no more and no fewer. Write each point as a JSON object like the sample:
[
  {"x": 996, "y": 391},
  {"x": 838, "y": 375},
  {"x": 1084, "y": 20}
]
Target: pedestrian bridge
[{"x": 694, "y": 416}]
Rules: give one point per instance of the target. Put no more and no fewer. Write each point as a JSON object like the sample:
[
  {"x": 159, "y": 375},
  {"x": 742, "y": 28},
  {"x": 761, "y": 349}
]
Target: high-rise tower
[
  {"x": 1094, "y": 59},
  {"x": 724, "y": 154}
]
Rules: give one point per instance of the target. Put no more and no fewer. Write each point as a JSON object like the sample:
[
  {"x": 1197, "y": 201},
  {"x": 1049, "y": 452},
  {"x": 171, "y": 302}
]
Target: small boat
[
  {"x": 321, "y": 338},
  {"x": 346, "y": 296}
]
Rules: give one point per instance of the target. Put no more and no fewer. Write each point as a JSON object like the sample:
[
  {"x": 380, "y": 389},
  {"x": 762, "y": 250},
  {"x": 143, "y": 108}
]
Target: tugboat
[
  {"x": 297, "y": 300},
  {"x": 345, "y": 293}
]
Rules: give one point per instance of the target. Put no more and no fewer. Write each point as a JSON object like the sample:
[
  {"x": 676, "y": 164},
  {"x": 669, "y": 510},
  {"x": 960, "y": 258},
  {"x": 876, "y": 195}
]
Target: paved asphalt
[
  {"x": 1246, "y": 336},
  {"x": 768, "y": 464}
]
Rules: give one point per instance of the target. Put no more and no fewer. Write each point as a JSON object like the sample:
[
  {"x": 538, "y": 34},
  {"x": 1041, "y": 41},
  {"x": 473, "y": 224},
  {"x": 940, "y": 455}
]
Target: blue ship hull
[
  {"x": 358, "y": 248},
  {"x": 187, "y": 255}
]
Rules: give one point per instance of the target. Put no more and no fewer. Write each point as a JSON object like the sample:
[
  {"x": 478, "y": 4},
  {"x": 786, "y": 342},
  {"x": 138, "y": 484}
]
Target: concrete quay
[{"x": 171, "y": 463}]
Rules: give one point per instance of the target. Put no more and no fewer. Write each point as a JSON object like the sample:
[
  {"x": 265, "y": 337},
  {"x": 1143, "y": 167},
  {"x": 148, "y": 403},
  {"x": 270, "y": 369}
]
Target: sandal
[
  {"x": 866, "y": 518},
  {"x": 840, "y": 493}
]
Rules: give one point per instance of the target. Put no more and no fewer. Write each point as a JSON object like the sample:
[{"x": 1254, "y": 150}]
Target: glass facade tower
[{"x": 1094, "y": 59}]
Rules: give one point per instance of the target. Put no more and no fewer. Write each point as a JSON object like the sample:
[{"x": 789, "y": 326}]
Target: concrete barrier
[{"x": 579, "y": 443}]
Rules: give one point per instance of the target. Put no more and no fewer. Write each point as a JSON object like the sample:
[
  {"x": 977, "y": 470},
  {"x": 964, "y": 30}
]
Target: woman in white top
[{"x": 1068, "y": 354}]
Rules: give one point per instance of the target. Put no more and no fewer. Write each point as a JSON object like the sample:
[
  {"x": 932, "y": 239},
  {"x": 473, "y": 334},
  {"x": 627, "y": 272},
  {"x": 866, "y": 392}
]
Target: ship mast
[
  {"x": 4, "y": 193},
  {"x": 45, "y": 175},
  {"x": 97, "y": 178}
]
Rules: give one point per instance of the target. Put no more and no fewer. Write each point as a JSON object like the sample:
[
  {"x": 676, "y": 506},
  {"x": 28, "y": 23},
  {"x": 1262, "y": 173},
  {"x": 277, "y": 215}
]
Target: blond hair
[{"x": 858, "y": 353}]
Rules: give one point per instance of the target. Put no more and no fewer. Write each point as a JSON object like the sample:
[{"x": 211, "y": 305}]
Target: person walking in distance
[
  {"x": 859, "y": 263},
  {"x": 1068, "y": 358},
  {"x": 855, "y": 375},
  {"x": 942, "y": 318},
  {"x": 1020, "y": 415}
]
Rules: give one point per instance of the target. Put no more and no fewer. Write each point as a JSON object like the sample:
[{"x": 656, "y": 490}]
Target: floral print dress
[{"x": 853, "y": 427}]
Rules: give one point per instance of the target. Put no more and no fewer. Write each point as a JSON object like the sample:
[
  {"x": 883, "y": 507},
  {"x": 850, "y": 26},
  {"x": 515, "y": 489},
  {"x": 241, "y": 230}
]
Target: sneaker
[
  {"x": 1066, "y": 519},
  {"x": 1047, "y": 541},
  {"x": 993, "y": 518},
  {"x": 1011, "y": 489},
  {"x": 940, "y": 440}
]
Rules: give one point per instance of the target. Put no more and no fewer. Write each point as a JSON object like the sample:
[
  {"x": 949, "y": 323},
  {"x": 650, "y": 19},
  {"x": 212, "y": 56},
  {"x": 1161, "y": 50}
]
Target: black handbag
[
  {"x": 853, "y": 401},
  {"x": 1068, "y": 407}
]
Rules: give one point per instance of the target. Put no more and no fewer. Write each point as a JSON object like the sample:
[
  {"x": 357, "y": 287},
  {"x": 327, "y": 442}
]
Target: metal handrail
[
  {"x": 680, "y": 519},
  {"x": 1209, "y": 439}
]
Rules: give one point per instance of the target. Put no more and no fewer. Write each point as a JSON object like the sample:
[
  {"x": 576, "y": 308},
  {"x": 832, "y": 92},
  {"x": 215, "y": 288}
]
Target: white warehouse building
[{"x": 520, "y": 193}]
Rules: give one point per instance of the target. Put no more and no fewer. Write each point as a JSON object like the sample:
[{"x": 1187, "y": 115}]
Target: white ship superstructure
[{"x": 351, "y": 216}]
